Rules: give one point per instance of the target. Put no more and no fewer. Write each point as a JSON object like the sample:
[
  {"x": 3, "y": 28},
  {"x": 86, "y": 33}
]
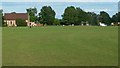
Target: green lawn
[{"x": 60, "y": 46}]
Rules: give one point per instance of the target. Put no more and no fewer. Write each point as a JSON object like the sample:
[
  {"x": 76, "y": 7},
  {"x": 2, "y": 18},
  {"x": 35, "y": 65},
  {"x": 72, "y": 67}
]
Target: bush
[
  {"x": 56, "y": 22},
  {"x": 21, "y": 22}
]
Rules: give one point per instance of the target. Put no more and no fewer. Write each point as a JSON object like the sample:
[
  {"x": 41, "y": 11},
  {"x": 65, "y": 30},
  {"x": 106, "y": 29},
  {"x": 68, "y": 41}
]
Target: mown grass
[{"x": 60, "y": 46}]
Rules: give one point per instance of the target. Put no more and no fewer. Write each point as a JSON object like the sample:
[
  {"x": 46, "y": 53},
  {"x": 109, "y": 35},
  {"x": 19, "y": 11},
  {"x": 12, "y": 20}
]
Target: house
[{"x": 10, "y": 18}]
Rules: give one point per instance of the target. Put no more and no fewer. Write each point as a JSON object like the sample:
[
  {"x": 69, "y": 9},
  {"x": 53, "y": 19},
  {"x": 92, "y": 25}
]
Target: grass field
[{"x": 60, "y": 46}]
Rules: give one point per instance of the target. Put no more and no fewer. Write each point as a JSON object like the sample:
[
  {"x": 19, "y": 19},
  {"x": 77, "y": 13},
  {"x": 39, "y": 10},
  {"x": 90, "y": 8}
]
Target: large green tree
[
  {"x": 82, "y": 16},
  {"x": 93, "y": 18},
  {"x": 47, "y": 15},
  {"x": 104, "y": 18},
  {"x": 69, "y": 16},
  {"x": 115, "y": 18},
  {"x": 32, "y": 14},
  {"x": 74, "y": 15},
  {"x": 118, "y": 15}
]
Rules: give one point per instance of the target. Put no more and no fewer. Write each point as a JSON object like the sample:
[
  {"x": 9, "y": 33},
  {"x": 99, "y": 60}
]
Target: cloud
[
  {"x": 59, "y": 0},
  {"x": 94, "y": 10}
]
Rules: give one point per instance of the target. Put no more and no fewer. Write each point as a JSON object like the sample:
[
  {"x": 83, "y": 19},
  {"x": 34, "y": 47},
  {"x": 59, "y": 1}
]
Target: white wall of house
[
  {"x": 10, "y": 22},
  {"x": 13, "y": 22}
]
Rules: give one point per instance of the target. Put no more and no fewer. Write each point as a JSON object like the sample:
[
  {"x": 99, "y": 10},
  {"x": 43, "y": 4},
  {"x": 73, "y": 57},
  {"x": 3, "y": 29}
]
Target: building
[{"x": 10, "y": 18}]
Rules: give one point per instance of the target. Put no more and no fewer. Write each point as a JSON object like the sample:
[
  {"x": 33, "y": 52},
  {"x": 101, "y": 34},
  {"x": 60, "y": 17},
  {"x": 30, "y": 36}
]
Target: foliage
[
  {"x": 56, "y": 22},
  {"x": 118, "y": 16},
  {"x": 13, "y": 12},
  {"x": 32, "y": 13},
  {"x": 69, "y": 15},
  {"x": 81, "y": 16},
  {"x": 74, "y": 15},
  {"x": 105, "y": 18},
  {"x": 115, "y": 18},
  {"x": 92, "y": 18},
  {"x": 21, "y": 22},
  {"x": 47, "y": 15}
]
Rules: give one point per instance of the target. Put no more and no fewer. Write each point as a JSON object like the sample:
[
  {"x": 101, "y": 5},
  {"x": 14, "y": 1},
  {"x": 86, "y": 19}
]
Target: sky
[
  {"x": 59, "y": 0},
  {"x": 59, "y": 7}
]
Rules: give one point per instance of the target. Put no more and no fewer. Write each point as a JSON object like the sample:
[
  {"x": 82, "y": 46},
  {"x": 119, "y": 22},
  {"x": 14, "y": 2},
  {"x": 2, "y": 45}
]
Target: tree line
[{"x": 71, "y": 15}]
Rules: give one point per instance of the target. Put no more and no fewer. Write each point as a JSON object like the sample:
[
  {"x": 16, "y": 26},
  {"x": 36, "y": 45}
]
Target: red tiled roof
[{"x": 14, "y": 16}]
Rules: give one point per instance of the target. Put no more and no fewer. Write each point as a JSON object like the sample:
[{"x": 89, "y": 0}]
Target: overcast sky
[{"x": 59, "y": 0}]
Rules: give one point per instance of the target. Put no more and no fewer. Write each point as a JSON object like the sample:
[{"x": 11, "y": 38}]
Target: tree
[
  {"x": 92, "y": 18},
  {"x": 69, "y": 15},
  {"x": 21, "y": 22},
  {"x": 47, "y": 15},
  {"x": 115, "y": 18},
  {"x": 82, "y": 16},
  {"x": 104, "y": 18},
  {"x": 13, "y": 12},
  {"x": 32, "y": 13},
  {"x": 61, "y": 22},
  {"x": 74, "y": 15},
  {"x": 118, "y": 15},
  {"x": 56, "y": 22}
]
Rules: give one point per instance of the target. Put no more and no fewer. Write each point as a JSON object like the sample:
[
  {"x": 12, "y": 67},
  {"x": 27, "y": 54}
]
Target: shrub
[
  {"x": 56, "y": 22},
  {"x": 21, "y": 22}
]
